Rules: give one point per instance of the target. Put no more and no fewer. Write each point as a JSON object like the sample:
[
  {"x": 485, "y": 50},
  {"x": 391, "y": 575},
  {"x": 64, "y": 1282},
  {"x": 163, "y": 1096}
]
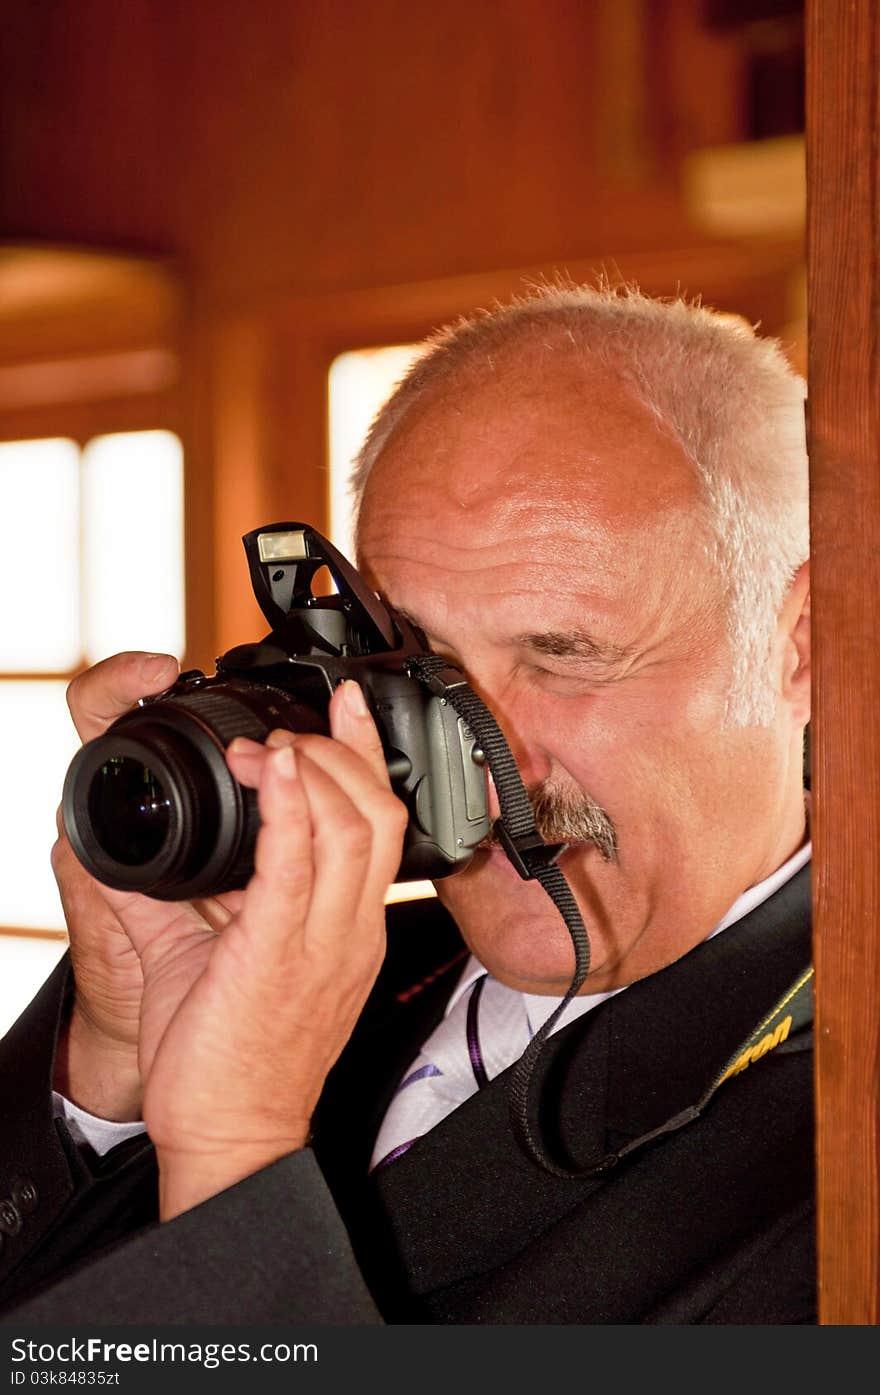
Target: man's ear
[{"x": 795, "y": 634}]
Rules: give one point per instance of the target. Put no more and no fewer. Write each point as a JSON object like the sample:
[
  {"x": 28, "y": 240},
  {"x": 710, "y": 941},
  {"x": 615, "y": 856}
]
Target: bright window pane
[
  {"x": 37, "y": 743},
  {"x": 39, "y": 556},
  {"x": 133, "y": 544},
  {"x": 25, "y": 962},
  {"x": 359, "y": 383}
]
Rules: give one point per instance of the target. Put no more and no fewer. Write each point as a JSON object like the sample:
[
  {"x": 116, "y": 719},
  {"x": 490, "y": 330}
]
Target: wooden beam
[{"x": 843, "y": 218}]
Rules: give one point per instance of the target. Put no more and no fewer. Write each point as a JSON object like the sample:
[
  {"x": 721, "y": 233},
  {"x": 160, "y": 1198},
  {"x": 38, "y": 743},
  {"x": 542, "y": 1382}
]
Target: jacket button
[
  {"x": 25, "y": 1195},
  {"x": 10, "y": 1217}
]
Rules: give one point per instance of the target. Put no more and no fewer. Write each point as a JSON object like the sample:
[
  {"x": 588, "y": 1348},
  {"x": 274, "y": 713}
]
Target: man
[{"x": 596, "y": 504}]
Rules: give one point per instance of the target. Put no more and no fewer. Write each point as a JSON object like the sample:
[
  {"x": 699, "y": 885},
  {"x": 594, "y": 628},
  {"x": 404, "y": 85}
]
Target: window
[
  {"x": 359, "y": 383},
  {"x": 91, "y": 563}
]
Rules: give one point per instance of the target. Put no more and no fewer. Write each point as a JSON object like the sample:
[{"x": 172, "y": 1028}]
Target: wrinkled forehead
[
  {"x": 495, "y": 505},
  {"x": 531, "y": 452}
]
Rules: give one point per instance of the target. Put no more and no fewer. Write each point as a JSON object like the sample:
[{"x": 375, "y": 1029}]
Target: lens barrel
[{"x": 151, "y": 805}]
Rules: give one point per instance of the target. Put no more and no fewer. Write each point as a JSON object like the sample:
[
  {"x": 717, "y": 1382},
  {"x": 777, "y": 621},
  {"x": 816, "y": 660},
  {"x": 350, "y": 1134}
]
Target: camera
[{"x": 151, "y": 805}]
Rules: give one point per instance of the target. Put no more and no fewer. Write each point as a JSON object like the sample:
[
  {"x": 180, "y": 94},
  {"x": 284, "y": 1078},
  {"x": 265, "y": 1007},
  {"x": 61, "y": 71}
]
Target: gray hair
[{"x": 728, "y": 396}]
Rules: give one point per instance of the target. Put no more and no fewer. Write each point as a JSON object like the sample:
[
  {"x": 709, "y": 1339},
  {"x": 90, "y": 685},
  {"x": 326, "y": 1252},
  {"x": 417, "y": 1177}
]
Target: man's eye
[{"x": 569, "y": 681}]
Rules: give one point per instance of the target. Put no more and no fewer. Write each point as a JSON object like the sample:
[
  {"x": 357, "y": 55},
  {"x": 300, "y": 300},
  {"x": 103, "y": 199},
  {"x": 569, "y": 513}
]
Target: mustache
[{"x": 564, "y": 817}]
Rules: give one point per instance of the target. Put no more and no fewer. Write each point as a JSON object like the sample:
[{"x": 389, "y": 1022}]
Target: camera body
[{"x": 150, "y": 805}]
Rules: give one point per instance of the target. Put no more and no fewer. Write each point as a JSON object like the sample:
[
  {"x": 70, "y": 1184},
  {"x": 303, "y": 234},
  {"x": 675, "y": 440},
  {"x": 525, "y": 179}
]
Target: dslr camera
[{"x": 151, "y": 805}]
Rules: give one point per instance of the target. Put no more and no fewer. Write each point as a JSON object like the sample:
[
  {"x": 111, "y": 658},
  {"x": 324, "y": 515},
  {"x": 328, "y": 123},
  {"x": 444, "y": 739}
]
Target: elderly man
[{"x": 596, "y": 505}]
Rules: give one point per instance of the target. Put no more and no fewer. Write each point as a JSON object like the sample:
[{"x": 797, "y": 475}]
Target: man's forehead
[
  {"x": 538, "y": 522},
  {"x": 503, "y": 501},
  {"x": 561, "y": 440}
]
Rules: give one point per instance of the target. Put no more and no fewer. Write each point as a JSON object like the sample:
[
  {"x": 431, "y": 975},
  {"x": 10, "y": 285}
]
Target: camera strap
[{"x": 535, "y": 860}]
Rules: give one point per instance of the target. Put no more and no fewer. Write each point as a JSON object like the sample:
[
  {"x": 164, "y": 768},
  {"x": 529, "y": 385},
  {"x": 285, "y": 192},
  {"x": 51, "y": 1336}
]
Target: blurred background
[{"x": 223, "y": 230}]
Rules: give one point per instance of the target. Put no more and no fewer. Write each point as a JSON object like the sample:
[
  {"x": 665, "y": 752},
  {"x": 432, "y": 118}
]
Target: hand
[
  {"x": 240, "y": 1026},
  {"x": 97, "y": 1061},
  {"x": 97, "y": 1057}
]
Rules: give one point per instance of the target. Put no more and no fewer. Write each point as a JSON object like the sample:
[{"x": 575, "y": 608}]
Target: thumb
[{"x": 101, "y": 694}]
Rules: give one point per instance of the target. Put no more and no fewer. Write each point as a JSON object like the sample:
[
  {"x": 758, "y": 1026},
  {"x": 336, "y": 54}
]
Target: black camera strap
[{"x": 535, "y": 860}]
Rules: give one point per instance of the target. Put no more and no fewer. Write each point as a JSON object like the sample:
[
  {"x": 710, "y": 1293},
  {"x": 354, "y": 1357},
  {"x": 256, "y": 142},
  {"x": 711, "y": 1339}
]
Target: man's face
[{"x": 548, "y": 538}]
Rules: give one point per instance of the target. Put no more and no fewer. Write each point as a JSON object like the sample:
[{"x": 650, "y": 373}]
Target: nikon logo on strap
[
  {"x": 793, "y": 1011},
  {"x": 754, "y": 1053}
]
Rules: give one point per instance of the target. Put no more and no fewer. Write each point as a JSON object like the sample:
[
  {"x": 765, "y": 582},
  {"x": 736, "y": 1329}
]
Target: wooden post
[{"x": 843, "y": 130}]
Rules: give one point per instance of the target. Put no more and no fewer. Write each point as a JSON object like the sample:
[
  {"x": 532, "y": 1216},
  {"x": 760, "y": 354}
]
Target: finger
[
  {"x": 373, "y": 800},
  {"x": 90, "y": 909},
  {"x": 352, "y": 725},
  {"x": 349, "y": 804},
  {"x": 75, "y": 887},
  {"x": 277, "y": 900},
  {"x": 357, "y": 775},
  {"x": 101, "y": 694},
  {"x": 246, "y": 760},
  {"x": 217, "y": 911},
  {"x": 356, "y": 848}
]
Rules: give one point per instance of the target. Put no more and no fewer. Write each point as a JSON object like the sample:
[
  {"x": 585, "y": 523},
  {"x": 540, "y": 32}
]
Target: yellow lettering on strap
[{"x": 754, "y": 1053}]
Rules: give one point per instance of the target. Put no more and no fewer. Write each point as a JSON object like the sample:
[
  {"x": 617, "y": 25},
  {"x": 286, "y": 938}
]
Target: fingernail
[
  {"x": 242, "y": 745},
  {"x": 154, "y": 665},
  {"x": 354, "y": 698},
  {"x": 285, "y": 762},
  {"x": 280, "y": 737}
]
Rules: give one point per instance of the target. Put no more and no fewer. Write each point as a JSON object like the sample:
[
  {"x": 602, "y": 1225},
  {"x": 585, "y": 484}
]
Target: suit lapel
[
  {"x": 671, "y": 1033},
  {"x": 465, "y": 1198}
]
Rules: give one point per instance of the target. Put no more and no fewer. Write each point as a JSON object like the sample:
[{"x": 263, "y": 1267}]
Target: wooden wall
[
  {"x": 322, "y": 173},
  {"x": 844, "y": 440}
]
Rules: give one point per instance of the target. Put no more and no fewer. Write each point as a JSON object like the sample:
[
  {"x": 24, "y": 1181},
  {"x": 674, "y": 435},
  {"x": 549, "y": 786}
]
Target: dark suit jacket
[{"x": 710, "y": 1224}]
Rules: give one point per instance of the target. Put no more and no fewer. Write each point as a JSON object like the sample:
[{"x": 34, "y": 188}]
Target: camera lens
[
  {"x": 129, "y": 810},
  {"x": 142, "y": 804},
  {"x": 152, "y": 806}
]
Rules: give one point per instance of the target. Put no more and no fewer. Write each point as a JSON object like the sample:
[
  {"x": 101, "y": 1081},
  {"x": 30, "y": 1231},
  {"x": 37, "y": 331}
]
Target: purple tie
[{"x": 486, "y": 1030}]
